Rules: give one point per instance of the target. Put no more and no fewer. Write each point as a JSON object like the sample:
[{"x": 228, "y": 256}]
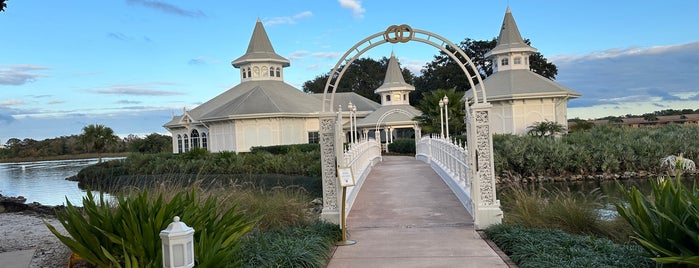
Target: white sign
[{"x": 345, "y": 176}]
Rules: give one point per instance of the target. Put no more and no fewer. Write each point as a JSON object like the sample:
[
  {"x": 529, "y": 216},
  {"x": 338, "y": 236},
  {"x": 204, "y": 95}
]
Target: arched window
[
  {"x": 278, "y": 72},
  {"x": 243, "y": 71},
  {"x": 179, "y": 144},
  {"x": 388, "y": 97},
  {"x": 249, "y": 72},
  {"x": 195, "y": 138},
  {"x": 518, "y": 60},
  {"x": 271, "y": 71},
  {"x": 204, "y": 143},
  {"x": 185, "y": 139},
  {"x": 505, "y": 61}
]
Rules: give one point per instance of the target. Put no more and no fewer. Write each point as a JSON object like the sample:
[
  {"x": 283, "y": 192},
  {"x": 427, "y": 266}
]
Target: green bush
[
  {"x": 402, "y": 146},
  {"x": 307, "y": 246},
  {"x": 284, "y": 149},
  {"x": 535, "y": 247},
  {"x": 666, "y": 224},
  {"x": 127, "y": 233}
]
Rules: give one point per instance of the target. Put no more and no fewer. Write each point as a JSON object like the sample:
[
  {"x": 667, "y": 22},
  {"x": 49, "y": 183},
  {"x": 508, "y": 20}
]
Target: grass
[{"x": 537, "y": 247}]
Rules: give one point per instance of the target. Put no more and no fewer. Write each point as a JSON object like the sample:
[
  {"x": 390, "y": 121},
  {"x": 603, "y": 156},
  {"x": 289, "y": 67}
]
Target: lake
[{"x": 44, "y": 181}]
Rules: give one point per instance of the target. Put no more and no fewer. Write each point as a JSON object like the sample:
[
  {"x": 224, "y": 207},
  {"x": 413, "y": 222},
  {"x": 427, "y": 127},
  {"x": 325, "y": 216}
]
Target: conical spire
[
  {"x": 260, "y": 49},
  {"x": 509, "y": 40},
  {"x": 394, "y": 77}
]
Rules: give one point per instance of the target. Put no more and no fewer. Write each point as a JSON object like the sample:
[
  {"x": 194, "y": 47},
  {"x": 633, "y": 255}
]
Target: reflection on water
[{"x": 44, "y": 181}]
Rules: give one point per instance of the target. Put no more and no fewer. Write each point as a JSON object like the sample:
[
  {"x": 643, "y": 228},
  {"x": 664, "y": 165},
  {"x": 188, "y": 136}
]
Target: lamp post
[
  {"x": 441, "y": 118},
  {"x": 354, "y": 115},
  {"x": 446, "y": 113},
  {"x": 351, "y": 107}
]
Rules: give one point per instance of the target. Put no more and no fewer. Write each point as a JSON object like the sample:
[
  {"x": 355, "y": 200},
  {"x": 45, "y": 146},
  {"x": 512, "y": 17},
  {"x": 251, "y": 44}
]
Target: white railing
[
  {"x": 451, "y": 161},
  {"x": 360, "y": 157}
]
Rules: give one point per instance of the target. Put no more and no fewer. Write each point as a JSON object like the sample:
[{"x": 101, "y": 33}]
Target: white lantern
[{"x": 178, "y": 245}]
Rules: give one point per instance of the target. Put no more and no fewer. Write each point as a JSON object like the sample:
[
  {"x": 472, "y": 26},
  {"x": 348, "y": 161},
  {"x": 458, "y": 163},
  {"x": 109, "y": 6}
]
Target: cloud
[
  {"x": 55, "y": 102},
  {"x": 414, "y": 66},
  {"x": 118, "y": 36},
  {"x": 313, "y": 67},
  {"x": 12, "y": 102},
  {"x": 19, "y": 74},
  {"x": 355, "y": 6},
  {"x": 288, "y": 20},
  {"x": 628, "y": 75},
  {"x": 326, "y": 55},
  {"x": 201, "y": 60},
  {"x": 167, "y": 8},
  {"x": 128, "y": 102},
  {"x": 136, "y": 90},
  {"x": 297, "y": 55}
]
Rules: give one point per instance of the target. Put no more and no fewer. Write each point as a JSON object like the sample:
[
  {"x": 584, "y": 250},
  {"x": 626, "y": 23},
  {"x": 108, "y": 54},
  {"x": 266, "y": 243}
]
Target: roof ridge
[{"x": 264, "y": 91}]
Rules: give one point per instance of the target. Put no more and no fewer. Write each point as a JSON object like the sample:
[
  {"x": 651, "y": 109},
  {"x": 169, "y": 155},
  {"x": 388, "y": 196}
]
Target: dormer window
[
  {"x": 271, "y": 71},
  {"x": 243, "y": 71},
  {"x": 249, "y": 72},
  {"x": 278, "y": 72},
  {"x": 505, "y": 61},
  {"x": 518, "y": 60}
]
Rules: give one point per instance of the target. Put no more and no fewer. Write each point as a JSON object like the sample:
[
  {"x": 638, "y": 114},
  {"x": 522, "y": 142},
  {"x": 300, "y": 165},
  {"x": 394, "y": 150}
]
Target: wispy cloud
[
  {"x": 297, "y": 55},
  {"x": 288, "y": 20},
  {"x": 413, "y": 65},
  {"x": 326, "y": 55},
  {"x": 618, "y": 77},
  {"x": 19, "y": 74},
  {"x": 167, "y": 8},
  {"x": 136, "y": 90},
  {"x": 201, "y": 60},
  {"x": 128, "y": 102},
  {"x": 13, "y": 102},
  {"x": 355, "y": 6},
  {"x": 118, "y": 36},
  {"x": 55, "y": 102}
]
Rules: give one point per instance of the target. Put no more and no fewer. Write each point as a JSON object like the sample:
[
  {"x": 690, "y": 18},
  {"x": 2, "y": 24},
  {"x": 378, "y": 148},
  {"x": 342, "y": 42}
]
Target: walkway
[{"x": 406, "y": 216}]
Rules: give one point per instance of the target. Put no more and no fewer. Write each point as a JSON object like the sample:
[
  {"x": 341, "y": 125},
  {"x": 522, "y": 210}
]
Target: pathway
[{"x": 406, "y": 216}]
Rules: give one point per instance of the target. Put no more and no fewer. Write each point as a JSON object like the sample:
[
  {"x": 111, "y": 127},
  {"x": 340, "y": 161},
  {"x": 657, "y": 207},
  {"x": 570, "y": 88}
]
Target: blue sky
[{"x": 130, "y": 64}]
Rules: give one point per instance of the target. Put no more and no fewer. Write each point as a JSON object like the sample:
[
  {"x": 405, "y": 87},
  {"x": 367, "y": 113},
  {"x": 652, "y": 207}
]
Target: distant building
[
  {"x": 520, "y": 97},
  {"x": 263, "y": 110},
  {"x": 684, "y": 119}
]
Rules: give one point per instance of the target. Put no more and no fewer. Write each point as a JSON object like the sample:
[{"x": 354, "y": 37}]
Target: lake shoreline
[{"x": 62, "y": 157}]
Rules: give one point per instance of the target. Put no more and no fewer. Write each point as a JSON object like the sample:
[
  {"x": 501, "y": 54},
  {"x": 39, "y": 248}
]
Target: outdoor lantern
[{"x": 178, "y": 245}]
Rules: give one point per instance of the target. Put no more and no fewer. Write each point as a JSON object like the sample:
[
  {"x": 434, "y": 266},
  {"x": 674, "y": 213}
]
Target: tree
[
  {"x": 545, "y": 129},
  {"x": 579, "y": 125},
  {"x": 429, "y": 105},
  {"x": 153, "y": 143},
  {"x": 3, "y": 5},
  {"x": 98, "y": 137},
  {"x": 363, "y": 76},
  {"x": 444, "y": 72}
]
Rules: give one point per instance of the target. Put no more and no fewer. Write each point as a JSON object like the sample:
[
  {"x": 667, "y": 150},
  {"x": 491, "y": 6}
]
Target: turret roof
[
  {"x": 394, "y": 78},
  {"x": 260, "y": 49},
  {"x": 509, "y": 40}
]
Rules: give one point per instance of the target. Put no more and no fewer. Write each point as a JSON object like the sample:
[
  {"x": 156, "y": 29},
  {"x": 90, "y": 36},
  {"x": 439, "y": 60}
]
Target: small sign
[{"x": 346, "y": 177}]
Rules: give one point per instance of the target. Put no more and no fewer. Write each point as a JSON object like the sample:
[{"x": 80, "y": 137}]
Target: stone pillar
[
  {"x": 331, "y": 206},
  {"x": 486, "y": 205}
]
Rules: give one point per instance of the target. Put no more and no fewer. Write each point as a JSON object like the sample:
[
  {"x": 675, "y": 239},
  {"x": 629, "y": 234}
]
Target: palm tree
[
  {"x": 545, "y": 129},
  {"x": 98, "y": 137},
  {"x": 429, "y": 105}
]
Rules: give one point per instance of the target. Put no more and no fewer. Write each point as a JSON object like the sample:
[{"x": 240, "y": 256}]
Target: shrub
[
  {"x": 535, "y": 247},
  {"x": 284, "y": 149},
  {"x": 666, "y": 224},
  {"x": 127, "y": 232},
  {"x": 402, "y": 146},
  {"x": 307, "y": 246}
]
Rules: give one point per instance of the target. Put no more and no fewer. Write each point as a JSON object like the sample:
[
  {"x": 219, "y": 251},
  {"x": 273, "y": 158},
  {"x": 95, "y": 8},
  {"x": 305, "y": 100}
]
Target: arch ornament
[{"x": 486, "y": 208}]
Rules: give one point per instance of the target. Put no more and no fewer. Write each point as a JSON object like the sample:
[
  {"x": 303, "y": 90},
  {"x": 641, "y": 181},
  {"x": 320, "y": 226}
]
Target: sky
[{"x": 131, "y": 64}]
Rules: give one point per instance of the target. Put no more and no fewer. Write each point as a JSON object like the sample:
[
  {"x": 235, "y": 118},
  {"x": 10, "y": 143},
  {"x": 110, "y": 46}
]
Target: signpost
[{"x": 344, "y": 174}]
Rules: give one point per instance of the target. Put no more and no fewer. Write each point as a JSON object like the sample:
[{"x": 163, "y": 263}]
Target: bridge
[{"x": 409, "y": 212}]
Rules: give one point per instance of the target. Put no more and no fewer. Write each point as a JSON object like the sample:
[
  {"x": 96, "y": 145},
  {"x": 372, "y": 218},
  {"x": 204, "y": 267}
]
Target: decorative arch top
[{"x": 402, "y": 34}]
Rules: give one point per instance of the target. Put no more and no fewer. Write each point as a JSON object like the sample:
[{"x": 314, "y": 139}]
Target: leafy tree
[
  {"x": 429, "y": 105},
  {"x": 98, "y": 137},
  {"x": 580, "y": 125},
  {"x": 444, "y": 72},
  {"x": 3, "y": 5},
  {"x": 545, "y": 129},
  {"x": 153, "y": 143},
  {"x": 363, "y": 76}
]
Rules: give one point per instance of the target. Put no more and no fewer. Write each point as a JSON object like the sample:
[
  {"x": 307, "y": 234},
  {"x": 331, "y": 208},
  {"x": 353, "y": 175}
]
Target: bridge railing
[
  {"x": 360, "y": 157},
  {"x": 451, "y": 161}
]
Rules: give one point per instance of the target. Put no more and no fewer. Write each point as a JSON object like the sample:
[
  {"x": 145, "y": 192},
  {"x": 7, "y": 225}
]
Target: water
[{"x": 44, "y": 181}]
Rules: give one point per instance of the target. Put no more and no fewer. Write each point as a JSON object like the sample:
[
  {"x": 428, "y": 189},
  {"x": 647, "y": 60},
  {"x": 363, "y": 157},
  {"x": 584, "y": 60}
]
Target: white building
[{"x": 520, "y": 97}]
